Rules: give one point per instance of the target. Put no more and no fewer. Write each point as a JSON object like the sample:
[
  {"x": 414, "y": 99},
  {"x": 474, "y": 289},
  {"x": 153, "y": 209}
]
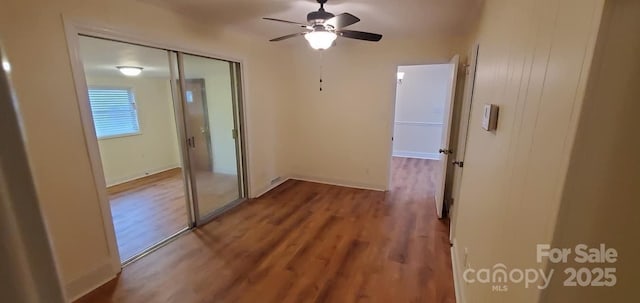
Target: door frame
[
  {"x": 393, "y": 118},
  {"x": 446, "y": 146},
  {"x": 73, "y": 30},
  {"x": 463, "y": 134}
]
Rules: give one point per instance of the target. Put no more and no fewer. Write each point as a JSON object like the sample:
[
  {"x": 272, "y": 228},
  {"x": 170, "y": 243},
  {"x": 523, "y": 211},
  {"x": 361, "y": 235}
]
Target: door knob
[{"x": 445, "y": 151}]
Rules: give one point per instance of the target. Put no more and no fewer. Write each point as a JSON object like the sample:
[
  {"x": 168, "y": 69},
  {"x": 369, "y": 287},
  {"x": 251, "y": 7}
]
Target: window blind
[{"x": 114, "y": 112}]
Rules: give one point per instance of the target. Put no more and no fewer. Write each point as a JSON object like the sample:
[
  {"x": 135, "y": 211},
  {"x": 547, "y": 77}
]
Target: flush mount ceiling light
[
  {"x": 130, "y": 71},
  {"x": 320, "y": 40}
]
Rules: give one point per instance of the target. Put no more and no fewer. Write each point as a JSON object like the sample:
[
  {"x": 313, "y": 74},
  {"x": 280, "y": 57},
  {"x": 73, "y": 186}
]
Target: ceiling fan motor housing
[
  {"x": 323, "y": 27},
  {"x": 319, "y": 17}
]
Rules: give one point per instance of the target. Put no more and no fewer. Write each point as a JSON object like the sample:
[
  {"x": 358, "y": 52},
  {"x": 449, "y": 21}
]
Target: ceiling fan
[{"x": 324, "y": 27}]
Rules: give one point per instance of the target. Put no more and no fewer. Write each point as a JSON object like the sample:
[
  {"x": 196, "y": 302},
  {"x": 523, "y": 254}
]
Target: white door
[
  {"x": 446, "y": 134},
  {"x": 467, "y": 100}
]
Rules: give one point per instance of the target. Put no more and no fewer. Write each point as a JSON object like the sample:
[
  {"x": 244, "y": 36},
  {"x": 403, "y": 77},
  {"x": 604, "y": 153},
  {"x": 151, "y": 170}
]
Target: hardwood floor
[
  {"x": 306, "y": 242},
  {"x": 147, "y": 211},
  {"x": 215, "y": 190}
]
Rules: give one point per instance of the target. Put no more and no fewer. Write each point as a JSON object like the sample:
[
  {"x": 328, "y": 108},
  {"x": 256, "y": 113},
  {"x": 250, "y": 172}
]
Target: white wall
[
  {"x": 419, "y": 112},
  {"x": 219, "y": 100},
  {"x": 156, "y": 148},
  {"x": 343, "y": 133},
  {"x": 601, "y": 194},
  {"x": 28, "y": 269},
  {"x": 35, "y": 41},
  {"x": 533, "y": 63}
]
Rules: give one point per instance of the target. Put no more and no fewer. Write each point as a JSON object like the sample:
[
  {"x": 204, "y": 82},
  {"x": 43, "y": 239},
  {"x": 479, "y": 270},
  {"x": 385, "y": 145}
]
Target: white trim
[
  {"x": 342, "y": 183},
  {"x": 416, "y": 155},
  {"x": 269, "y": 187},
  {"x": 86, "y": 283},
  {"x": 458, "y": 284},
  {"x": 320, "y": 180},
  {"x": 91, "y": 142},
  {"x": 418, "y": 123}
]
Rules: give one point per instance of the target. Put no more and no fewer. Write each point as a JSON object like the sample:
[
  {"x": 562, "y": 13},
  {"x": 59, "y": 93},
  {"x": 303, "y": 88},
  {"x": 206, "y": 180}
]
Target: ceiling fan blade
[
  {"x": 342, "y": 20},
  {"x": 285, "y": 21},
  {"x": 360, "y": 35},
  {"x": 286, "y": 37}
]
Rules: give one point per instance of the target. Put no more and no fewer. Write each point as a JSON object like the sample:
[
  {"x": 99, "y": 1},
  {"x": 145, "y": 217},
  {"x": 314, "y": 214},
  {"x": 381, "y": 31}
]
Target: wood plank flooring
[
  {"x": 215, "y": 190},
  {"x": 306, "y": 242},
  {"x": 147, "y": 211}
]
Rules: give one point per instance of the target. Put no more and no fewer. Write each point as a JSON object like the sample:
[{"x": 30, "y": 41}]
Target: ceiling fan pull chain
[{"x": 321, "y": 64}]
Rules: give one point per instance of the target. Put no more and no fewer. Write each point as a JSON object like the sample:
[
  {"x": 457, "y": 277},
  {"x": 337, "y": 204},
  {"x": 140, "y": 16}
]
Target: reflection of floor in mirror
[
  {"x": 147, "y": 210},
  {"x": 215, "y": 190}
]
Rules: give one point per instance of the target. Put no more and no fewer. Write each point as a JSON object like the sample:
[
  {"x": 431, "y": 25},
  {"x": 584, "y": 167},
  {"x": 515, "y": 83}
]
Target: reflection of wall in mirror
[
  {"x": 156, "y": 148},
  {"x": 217, "y": 79}
]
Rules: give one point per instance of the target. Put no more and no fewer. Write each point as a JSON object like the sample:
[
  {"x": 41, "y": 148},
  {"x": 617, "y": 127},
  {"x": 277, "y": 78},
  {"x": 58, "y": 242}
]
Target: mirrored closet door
[{"x": 212, "y": 121}]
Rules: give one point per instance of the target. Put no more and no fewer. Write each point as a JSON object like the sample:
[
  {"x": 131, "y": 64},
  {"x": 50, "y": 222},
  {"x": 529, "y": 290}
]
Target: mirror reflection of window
[
  {"x": 189, "y": 96},
  {"x": 114, "y": 112}
]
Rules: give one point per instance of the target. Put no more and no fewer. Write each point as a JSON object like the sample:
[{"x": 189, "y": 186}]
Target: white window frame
[{"x": 135, "y": 106}]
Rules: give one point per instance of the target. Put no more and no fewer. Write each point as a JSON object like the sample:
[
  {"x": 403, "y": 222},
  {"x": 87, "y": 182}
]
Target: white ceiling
[
  {"x": 395, "y": 19},
  {"x": 100, "y": 58}
]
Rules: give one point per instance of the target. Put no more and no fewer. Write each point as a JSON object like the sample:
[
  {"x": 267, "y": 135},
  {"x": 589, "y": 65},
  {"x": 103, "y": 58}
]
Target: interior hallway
[{"x": 306, "y": 242}]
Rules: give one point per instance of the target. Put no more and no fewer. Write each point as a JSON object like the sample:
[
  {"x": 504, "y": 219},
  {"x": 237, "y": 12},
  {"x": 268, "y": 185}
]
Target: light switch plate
[{"x": 490, "y": 117}]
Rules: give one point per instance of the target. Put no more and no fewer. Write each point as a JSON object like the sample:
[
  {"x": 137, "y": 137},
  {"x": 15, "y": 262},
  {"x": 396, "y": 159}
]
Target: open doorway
[{"x": 422, "y": 124}]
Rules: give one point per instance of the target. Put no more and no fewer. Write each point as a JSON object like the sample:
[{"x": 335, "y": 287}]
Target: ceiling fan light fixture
[
  {"x": 130, "y": 71},
  {"x": 320, "y": 40},
  {"x": 326, "y": 27}
]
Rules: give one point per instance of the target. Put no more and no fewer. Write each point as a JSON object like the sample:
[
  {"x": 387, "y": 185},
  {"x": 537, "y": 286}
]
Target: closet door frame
[{"x": 74, "y": 28}]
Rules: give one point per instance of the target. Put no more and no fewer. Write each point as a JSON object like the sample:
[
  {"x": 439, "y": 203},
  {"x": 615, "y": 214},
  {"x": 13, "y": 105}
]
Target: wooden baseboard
[
  {"x": 118, "y": 188},
  {"x": 268, "y": 188},
  {"x": 342, "y": 183}
]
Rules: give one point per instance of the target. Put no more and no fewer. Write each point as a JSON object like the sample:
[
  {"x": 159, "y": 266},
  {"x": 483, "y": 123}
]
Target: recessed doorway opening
[{"x": 422, "y": 122}]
